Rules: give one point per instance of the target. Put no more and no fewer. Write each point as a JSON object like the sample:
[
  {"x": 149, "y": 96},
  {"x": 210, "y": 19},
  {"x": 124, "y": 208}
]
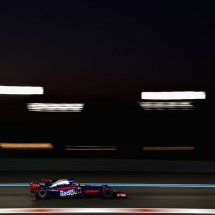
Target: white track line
[{"x": 107, "y": 210}]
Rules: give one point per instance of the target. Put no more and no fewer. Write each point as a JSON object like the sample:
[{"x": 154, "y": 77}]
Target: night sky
[{"x": 105, "y": 48}]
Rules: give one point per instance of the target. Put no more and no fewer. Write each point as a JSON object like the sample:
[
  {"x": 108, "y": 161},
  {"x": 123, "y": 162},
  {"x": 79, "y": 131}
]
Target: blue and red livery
[{"x": 67, "y": 188}]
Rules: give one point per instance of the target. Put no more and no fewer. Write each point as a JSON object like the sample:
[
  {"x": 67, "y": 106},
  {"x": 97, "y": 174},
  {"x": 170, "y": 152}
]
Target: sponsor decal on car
[{"x": 71, "y": 192}]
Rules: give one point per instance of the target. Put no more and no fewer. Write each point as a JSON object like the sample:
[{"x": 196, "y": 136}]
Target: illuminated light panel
[
  {"x": 165, "y": 148},
  {"x": 91, "y": 148},
  {"x": 109, "y": 210},
  {"x": 21, "y": 90},
  {"x": 26, "y": 145},
  {"x": 55, "y": 107},
  {"x": 166, "y": 105},
  {"x": 186, "y": 95}
]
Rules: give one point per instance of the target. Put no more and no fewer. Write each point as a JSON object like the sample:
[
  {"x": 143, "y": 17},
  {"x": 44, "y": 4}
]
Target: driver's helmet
[{"x": 76, "y": 184}]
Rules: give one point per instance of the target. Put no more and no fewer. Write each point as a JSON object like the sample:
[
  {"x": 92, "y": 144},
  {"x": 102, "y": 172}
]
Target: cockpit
[
  {"x": 60, "y": 182},
  {"x": 64, "y": 182}
]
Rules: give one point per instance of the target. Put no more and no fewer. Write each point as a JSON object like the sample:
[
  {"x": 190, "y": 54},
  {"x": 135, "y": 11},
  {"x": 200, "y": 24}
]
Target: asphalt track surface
[{"x": 153, "y": 195}]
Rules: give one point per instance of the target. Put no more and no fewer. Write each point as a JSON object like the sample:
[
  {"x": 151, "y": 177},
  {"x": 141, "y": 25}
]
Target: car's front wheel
[
  {"x": 107, "y": 193},
  {"x": 42, "y": 193}
]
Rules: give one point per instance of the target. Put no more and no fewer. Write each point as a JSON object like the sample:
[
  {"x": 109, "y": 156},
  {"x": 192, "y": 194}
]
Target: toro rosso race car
[{"x": 67, "y": 188}]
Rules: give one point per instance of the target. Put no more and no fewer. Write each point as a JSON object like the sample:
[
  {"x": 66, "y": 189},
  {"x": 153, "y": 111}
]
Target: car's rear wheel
[
  {"x": 42, "y": 193},
  {"x": 107, "y": 193}
]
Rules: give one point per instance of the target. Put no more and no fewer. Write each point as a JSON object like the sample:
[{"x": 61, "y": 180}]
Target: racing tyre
[
  {"x": 107, "y": 193},
  {"x": 42, "y": 193}
]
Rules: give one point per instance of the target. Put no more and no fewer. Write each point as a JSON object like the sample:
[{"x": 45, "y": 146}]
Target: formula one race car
[{"x": 67, "y": 188}]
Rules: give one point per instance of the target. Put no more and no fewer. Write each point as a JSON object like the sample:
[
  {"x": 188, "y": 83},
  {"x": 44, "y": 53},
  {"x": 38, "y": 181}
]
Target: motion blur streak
[
  {"x": 154, "y": 148},
  {"x": 55, "y": 107},
  {"x": 26, "y": 145},
  {"x": 89, "y": 149},
  {"x": 166, "y": 105},
  {"x": 21, "y": 90},
  {"x": 190, "y": 95},
  {"x": 92, "y": 148},
  {"x": 107, "y": 210}
]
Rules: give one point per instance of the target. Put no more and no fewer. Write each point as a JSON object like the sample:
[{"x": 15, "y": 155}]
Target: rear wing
[{"x": 34, "y": 185}]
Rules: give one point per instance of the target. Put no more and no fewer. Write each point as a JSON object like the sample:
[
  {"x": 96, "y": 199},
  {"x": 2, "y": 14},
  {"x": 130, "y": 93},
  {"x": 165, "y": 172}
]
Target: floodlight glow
[
  {"x": 55, "y": 107},
  {"x": 165, "y": 148},
  {"x": 91, "y": 148},
  {"x": 21, "y": 90},
  {"x": 186, "y": 95},
  {"x": 26, "y": 145},
  {"x": 166, "y": 105}
]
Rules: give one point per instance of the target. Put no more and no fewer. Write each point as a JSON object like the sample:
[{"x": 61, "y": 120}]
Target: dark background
[{"x": 104, "y": 54}]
